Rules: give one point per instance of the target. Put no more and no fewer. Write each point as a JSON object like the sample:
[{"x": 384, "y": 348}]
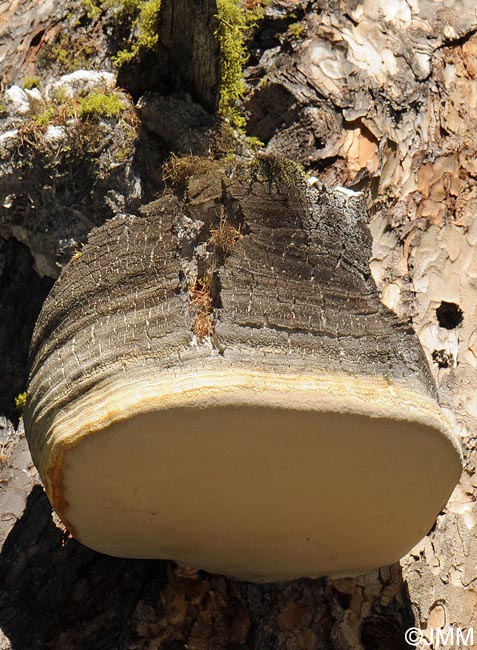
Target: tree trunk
[{"x": 370, "y": 96}]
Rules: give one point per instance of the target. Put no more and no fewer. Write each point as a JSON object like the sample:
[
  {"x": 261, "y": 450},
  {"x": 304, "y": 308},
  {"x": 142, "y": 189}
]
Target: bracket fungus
[{"x": 298, "y": 436}]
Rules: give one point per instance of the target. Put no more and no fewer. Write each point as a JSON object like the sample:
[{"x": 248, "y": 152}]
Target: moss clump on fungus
[
  {"x": 288, "y": 176},
  {"x": 223, "y": 238},
  {"x": 92, "y": 106},
  {"x": 179, "y": 169},
  {"x": 44, "y": 117}
]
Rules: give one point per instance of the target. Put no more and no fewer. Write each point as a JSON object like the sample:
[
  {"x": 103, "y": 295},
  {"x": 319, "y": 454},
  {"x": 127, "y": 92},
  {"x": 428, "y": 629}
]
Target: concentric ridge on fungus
[{"x": 298, "y": 436}]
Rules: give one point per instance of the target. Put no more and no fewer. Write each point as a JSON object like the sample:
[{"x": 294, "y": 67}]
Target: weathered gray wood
[{"x": 185, "y": 30}]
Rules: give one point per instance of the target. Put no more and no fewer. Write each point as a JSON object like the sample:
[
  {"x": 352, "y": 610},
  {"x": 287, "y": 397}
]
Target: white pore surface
[{"x": 261, "y": 491}]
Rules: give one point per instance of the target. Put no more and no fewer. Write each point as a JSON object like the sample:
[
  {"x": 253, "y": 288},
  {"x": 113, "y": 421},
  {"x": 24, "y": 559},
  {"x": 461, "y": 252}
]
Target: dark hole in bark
[
  {"x": 37, "y": 38},
  {"x": 344, "y": 599},
  {"x": 442, "y": 358},
  {"x": 323, "y": 164},
  {"x": 449, "y": 315},
  {"x": 319, "y": 143},
  {"x": 383, "y": 633}
]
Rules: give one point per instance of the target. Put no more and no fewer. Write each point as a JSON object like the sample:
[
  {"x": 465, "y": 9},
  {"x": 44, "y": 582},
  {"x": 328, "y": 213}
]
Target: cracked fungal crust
[
  {"x": 289, "y": 299},
  {"x": 295, "y": 293}
]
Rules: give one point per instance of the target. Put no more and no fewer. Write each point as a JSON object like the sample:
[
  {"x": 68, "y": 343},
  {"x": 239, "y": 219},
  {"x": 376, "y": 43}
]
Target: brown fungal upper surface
[{"x": 245, "y": 405}]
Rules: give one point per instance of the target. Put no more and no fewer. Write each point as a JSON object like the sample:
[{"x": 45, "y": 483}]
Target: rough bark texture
[{"x": 371, "y": 94}]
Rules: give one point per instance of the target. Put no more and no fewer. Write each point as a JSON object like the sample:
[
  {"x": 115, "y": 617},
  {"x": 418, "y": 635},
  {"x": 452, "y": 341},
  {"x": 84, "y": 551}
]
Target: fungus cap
[{"x": 274, "y": 450}]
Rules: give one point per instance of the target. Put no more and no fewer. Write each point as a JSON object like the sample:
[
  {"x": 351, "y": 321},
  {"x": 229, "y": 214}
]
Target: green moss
[
  {"x": 254, "y": 142},
  {"x": 297, "y": 29},
  {"x": 234, "y": 25},
  {"x": 72, "y": 50},
  {"x": 63, "y": 58},
  {"x": 20, "y": 402},
  {"x": 100, "y": 104},
  {"x": 125, "y": 148},
  {"x": 144, "y": 15},
  {"x": 45, "y": 117},
  {"x": 92, "y": 8},
  {"x": 61, "y": 96},
  {"x": 30, "y": 82},
  {"x": 177, "y": 171},
  {"x": 286, "y": 175}
]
